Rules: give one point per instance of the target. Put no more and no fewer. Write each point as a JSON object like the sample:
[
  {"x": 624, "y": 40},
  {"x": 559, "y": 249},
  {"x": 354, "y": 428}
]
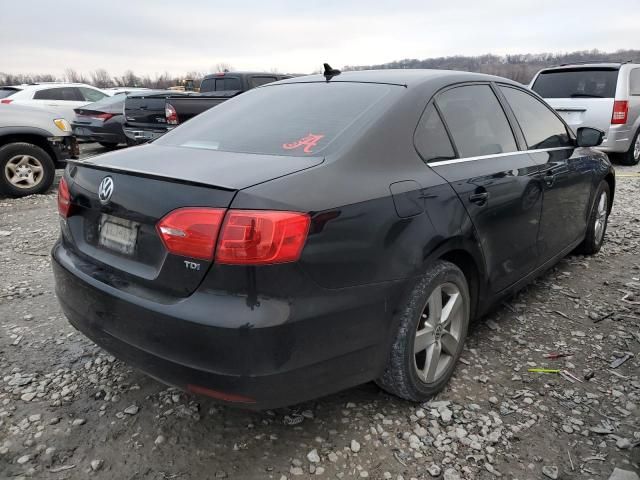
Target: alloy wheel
[
  {"x": 636, "y": 148},
  {"x": 439, "y": 332},
  {"x": 24, "y": 171},
  {"x": 601, "y": 217}
]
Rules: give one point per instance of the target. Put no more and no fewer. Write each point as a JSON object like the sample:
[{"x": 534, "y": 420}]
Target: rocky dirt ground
[{"x": 68, "y": 410}]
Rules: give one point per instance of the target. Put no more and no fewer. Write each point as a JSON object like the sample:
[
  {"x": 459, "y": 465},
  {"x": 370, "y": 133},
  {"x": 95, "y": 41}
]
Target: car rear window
[
  {"x": 299, "y": 119},
  {"x": 220, "y": 84},
  {"x": 259, "y": 81},
  {"x": 576, "y": 83},
  {"x": 112, "y": 103},
  {"x": 7, "y": 92}
]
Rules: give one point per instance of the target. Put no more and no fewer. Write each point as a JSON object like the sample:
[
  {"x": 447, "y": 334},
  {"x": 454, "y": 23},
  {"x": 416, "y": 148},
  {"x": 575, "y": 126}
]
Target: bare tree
[
  {"x": 129, "y": 79},
  {"x": 100, "y": 78},
  {"x": 73, "y": 76},
  {"x": 221, "y": 67}
]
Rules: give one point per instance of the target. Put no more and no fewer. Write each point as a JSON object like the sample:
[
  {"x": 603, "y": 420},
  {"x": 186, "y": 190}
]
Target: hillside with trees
[{"x": 519, "y": 67}]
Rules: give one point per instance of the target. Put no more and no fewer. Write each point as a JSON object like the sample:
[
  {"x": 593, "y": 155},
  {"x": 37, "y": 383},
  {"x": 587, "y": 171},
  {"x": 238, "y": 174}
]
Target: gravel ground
[{"x": 68, "y": 410}]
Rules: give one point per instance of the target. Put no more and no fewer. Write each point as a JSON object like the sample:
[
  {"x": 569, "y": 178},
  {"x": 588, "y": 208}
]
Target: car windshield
[
  {"x": 7, "y": 92},
  {"x": 575, "y": 83},
  {"x": 297, "y": 119}
]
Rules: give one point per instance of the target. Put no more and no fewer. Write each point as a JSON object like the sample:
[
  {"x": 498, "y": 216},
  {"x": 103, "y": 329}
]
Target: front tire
[
  {"x": 25, "y": 169},
  {"x": 430, "y": 336},
  {"x": 631, "y": 156},
  {"x": 597, "y": 226}
]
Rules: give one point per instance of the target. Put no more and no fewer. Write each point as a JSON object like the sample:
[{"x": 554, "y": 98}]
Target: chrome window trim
[{"x": 482, "y": 157}]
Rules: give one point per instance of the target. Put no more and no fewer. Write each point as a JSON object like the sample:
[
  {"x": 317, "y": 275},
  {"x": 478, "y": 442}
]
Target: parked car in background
[
  {"x": 150, "y": 116},
  {"x": 116, "y": 90},
  {"x": 599, "y": 95},
  {"x": 60, "y": 98},
  {"x": 237, "y": 81},
  {"x": 145, "y": 115},
  {"x": 33, "y": 143},
  {"x": 101, "y": 122},
  {"x": 321, "y": 232}
]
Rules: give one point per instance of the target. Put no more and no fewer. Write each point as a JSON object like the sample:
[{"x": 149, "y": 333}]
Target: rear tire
[
  {"x": 631, "y": 156},
  {"x": 597, "y": 226},
  {"x": 433, "y": 326},
  {"x": 109, "y": 145},
  {"x": 25, "y": 169}
]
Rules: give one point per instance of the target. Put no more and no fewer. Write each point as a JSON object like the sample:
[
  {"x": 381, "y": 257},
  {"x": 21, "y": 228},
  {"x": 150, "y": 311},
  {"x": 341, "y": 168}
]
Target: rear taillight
[
  {"x": 620, "y": 112},
  {"x": 245, "y": 237},
  {"x": 255, "y": 237},
  {"x": 171, "y": 114},
  {"x": 6, "y": 101},
  {"x": 191, "y": 232},
  {"x": 64, "y": 199},
  {"x": 102, "y": 116}
]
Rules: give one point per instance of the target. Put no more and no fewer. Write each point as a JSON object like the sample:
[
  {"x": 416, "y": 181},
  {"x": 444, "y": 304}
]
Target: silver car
[
  {"x": 33, "y": 143},
  {"x": 601, "y": 95}
]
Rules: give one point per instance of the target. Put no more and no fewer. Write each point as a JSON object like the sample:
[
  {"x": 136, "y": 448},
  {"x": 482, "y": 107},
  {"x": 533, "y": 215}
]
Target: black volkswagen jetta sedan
[{"x": 321, "y": 232}]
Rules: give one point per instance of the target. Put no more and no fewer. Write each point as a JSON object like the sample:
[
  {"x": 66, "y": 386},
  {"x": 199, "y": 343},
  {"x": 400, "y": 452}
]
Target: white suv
[
  {"x": 60, "y": 98},
  {"x": 601, "y": 95}
]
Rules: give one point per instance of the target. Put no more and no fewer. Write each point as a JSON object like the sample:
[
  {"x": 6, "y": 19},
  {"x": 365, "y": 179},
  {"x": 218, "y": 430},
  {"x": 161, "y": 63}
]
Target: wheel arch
[
  {"x": 466, "y": 254},
  {"x": 466, "y": 262},
  {"x": 30, "y": 137},
  {"x": 611, "y": 181}
]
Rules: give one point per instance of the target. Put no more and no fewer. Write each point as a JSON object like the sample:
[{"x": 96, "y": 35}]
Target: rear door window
[
  {"x": 540, "y": 126},
  {"x": 476, "y": 121},
  {"x": 296, "y": 119},
  {"x": 431, "y": 138},
  {"x": 62, "y": 93},
  {"x": 577, "y": 83}
]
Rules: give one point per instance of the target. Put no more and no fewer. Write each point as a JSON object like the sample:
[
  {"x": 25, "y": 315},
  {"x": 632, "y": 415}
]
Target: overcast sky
[{"x": 296, "y": 36}]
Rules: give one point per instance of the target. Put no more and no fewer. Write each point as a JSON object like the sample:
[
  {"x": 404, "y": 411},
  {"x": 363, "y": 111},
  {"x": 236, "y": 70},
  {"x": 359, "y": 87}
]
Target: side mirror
[{"x": 589, "y": 137}]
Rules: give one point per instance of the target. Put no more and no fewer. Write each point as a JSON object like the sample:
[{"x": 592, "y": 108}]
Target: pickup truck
[{"x": 148, "y": 116}]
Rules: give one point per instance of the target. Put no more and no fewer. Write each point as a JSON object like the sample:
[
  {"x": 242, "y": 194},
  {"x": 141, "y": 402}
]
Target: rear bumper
[
  {"x": 96, "y": 135},
  {"x": 137, "y": 136},
  {"x": 264, "y": 354},
  {"x": 618, "y": 139},
  {"x": 64, "y": 148}
]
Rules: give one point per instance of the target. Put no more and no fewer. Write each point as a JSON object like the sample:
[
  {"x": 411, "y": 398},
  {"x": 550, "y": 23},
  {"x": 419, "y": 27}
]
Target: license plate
[
  {"x": 118, "y": 234},
  {"x": 80, "y": 131},
  {"x": 571, "y": 117}
]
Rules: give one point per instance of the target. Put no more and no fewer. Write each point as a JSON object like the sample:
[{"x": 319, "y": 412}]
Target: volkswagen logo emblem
[{"x": 105, "y": 190}]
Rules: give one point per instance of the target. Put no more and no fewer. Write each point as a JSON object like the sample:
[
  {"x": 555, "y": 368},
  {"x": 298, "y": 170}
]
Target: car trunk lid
[{"x": 118, "y": 236}]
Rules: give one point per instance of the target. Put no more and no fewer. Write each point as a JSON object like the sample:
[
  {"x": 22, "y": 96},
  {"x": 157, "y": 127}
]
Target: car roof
[
  {"x": 242, "y": 72},
  {"x": 44, "y": 85},
  {"x": 404, "y": 77},
  {"x": 587, "y": 65}
]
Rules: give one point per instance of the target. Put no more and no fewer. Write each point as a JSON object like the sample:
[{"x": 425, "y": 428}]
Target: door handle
[{"x": 479, "y": 198}]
